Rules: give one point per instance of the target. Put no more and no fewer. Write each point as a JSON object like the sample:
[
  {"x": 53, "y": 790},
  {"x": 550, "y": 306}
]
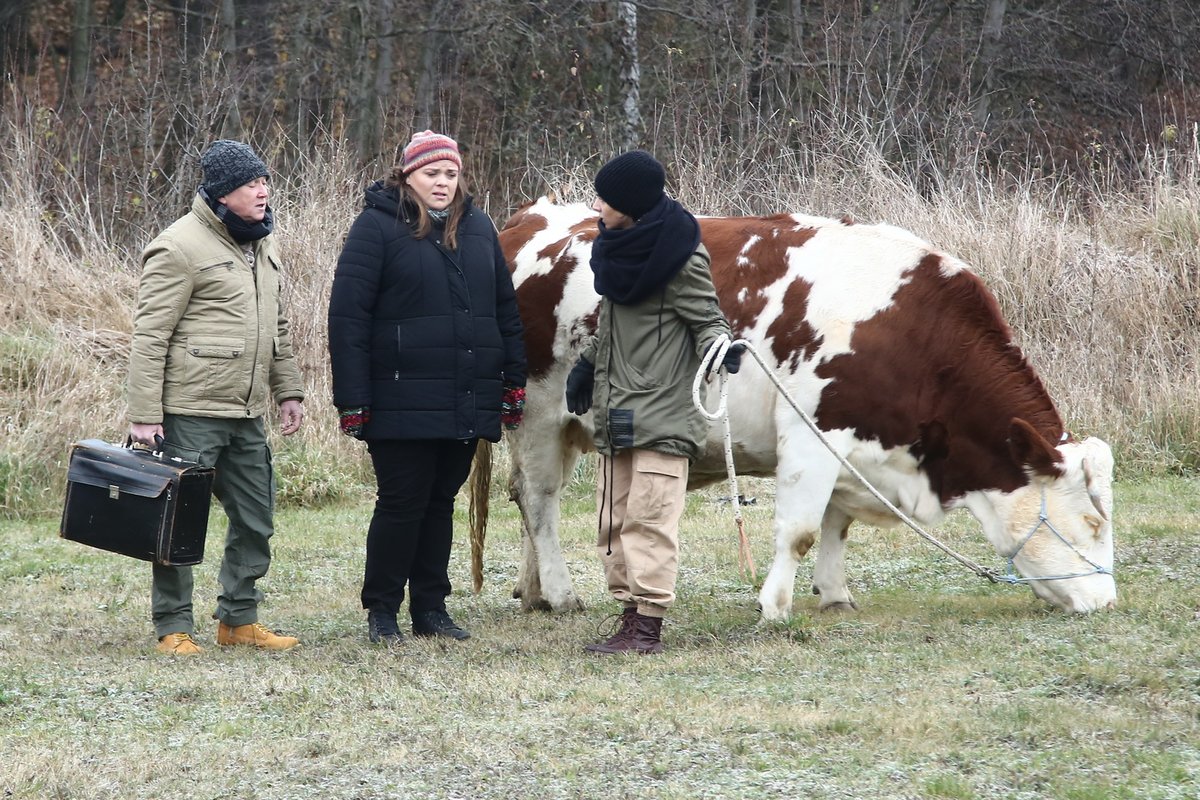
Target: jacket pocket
[
  {"x": 215, "y": 346},
  {"x": 399, "y": 352},
  {"x": 620, "y": 428},
  {"x": 224, "y": 264},
  {"x": 215, "y": 367}
]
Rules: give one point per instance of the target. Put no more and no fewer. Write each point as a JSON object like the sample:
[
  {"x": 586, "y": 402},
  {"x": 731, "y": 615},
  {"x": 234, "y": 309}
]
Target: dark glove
[
  {"x": 580, "y": 383},
  {"x": 512, "y": 406},
  {"x": 732, "y": 361},
  {"x": 352, "y": 420}
]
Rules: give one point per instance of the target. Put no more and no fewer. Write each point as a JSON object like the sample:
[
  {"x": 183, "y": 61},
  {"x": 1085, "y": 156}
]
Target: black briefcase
[{"x": 139, "y": 503}]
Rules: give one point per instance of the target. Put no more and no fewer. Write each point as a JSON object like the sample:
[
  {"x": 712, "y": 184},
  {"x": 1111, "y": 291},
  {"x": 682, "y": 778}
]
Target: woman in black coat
[{"x": 427, "y": 357}]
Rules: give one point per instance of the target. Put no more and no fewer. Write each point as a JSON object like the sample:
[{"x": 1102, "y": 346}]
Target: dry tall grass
[{"x": 1099, "y": 281}]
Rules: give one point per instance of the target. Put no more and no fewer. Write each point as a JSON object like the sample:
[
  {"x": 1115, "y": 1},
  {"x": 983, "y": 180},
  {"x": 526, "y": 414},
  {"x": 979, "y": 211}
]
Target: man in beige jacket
[{"x": 210, "y": 353}]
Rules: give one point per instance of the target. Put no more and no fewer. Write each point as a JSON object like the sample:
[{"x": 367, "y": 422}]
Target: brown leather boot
[
  {"x": 617, "y": 642},
  {"x": 178, "y": 644},
  {"x": 647, "y": 635},
  {"x": 255, "y": 635}
]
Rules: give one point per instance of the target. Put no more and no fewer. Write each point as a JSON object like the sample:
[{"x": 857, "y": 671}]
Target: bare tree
[
  {"x": 432, "y": 62},
  {"x": 81, "y": 51},
  {"x": 631, "y": 73},
  {"x": 233, "y": 117},
  {"x": 15, "y": 50},
  {"x": 989, "y": 48}
]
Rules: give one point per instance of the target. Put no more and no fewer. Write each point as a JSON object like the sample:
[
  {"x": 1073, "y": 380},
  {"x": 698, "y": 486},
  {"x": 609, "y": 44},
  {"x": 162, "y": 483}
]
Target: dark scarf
[
  {"x": 632, "y": 263},
  {"x": 241, "y": 231}
]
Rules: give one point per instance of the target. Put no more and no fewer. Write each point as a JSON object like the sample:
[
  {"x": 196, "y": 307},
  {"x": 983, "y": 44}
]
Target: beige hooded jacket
[{"x": 209, "y": 335}]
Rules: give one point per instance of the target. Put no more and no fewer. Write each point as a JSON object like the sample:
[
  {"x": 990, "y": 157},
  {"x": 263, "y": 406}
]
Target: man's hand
[
  {"x": 291, "y": 416},
  {"x": 144, "y": 432}
]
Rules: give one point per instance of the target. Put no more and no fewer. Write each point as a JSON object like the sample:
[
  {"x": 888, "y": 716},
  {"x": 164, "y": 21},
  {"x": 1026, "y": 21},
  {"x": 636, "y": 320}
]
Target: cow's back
[{"x": 869, "y": 326}]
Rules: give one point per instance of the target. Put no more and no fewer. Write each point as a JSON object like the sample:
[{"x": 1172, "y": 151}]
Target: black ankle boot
[
  {"x": 382, "y": 627},
  {"x": 437, "y": 623}
]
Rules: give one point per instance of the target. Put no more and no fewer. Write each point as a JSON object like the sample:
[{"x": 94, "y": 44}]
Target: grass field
[{"x": 941, "y": 686}]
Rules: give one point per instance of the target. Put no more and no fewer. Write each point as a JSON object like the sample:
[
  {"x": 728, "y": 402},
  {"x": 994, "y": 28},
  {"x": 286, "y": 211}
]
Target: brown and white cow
[{"x": 897, "y": 351}]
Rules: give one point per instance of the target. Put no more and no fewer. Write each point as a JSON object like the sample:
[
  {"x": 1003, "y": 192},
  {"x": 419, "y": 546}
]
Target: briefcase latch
[{"x": 114, "y": 491}]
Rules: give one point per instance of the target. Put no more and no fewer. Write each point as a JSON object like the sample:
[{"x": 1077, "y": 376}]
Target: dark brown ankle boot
[
  {"x": 617, "y": 643},
  {"x": 647, "y": 635},
  {"x": 639, "y": 634}
]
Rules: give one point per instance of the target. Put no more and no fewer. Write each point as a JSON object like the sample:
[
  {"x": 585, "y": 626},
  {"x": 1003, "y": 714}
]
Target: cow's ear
[{"x": 1030, "y": 449}]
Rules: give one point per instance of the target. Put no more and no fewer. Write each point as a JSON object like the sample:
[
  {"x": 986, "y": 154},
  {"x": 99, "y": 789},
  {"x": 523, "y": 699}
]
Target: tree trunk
[
  {"x": 232, "y": 127},
  {"x": 384, "y": 66},
  {"x": 431, "y": 65},
  {"x": 749, "y": 61},
  {"x": 297, "y": 72},
  {"x": 989, "y": 49},
  {"x": 81, "y": 51},
  {"x": 15, "y": 51},
  {"x": 795, "y": 51},
  {"x": 631, "y": 74}
]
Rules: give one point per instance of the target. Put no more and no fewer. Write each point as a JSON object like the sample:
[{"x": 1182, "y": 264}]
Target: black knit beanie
[
  {"x": 632, "y": 183},
  {"x": 227, "y": 165}
]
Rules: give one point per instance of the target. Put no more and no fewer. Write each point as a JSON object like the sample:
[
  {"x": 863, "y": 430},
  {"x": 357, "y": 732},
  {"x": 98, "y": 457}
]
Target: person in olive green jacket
[
  {"x": 211, "y": 351},
  {"x": 658, "y": 316}
]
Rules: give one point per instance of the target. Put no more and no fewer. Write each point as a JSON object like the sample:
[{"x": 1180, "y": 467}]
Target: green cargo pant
[{"x": 245, "y": 486}]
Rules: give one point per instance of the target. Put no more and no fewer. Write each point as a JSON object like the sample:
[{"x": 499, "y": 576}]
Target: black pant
[{"x": 411, "y": 529}]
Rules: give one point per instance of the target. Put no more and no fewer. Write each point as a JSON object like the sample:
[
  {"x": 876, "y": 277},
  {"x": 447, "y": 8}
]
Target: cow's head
[{"x": 1057, "y": 530}]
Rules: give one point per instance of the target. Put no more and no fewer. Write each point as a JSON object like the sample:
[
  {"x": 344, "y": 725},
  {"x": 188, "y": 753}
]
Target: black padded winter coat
[{"x": 424, "y": 336}]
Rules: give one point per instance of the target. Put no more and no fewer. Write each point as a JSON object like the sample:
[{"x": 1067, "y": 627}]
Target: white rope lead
[
  {"x": 714, "y": 357},
  {"x": 716, "y": 352}
]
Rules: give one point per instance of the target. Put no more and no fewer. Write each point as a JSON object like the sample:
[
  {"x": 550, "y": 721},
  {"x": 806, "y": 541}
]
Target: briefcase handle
[{"x": 160, "y": 444}]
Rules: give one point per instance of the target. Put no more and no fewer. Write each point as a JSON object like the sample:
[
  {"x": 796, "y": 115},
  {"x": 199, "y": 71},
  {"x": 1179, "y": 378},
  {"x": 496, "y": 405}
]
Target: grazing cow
[{"x": 900, "y": 355}]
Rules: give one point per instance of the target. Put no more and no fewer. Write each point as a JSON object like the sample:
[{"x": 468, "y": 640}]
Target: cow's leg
[
  {"x": 829, "y": 573},
  {"x": 544, "y": 455},
  {"x": 804, "y": 483}
]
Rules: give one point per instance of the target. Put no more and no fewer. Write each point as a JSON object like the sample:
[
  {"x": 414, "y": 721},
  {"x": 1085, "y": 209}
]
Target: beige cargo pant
[{"x": 640, "y": 495}]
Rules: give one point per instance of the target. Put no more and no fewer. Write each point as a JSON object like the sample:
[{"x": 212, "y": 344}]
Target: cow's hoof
[
  {"x": 538, "y": 604},
  {"x": 773, "y": 616},
  {"x": 840, "y": 607},
  {"x": 569, "y": 605}
]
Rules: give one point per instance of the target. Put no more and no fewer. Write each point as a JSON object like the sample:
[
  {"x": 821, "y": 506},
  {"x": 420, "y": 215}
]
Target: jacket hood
[
  {"x": 385, "y": 198},
  {"x": 388, "y": 200}
]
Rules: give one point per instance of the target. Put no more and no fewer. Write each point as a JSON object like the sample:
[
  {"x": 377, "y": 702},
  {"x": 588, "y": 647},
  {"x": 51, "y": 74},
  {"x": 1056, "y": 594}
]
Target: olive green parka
[{"x": 646, "y": 356}]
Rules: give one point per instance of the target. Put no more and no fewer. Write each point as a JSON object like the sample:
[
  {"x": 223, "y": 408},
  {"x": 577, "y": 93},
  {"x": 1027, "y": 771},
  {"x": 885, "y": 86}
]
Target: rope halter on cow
[
  {"x": 1011, "y": 576},
  {"x": 714, "y": 356}
]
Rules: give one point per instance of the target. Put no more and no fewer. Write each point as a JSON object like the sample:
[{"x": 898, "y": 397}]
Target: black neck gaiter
[{"x": 632, "y": 263}]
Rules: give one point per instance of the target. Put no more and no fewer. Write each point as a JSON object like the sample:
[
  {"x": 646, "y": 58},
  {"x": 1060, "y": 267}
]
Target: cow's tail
[{"x": 479, "y": 487}]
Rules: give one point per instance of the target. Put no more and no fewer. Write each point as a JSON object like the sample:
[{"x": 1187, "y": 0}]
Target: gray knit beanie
[
  {"x": 632, "y": 183},
  {"x": 227, "y": 165}
]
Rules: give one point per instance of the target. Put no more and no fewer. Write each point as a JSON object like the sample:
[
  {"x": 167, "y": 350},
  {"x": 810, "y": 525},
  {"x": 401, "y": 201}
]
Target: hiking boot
[
  {"x": 255, "y": 635},
  {"x": 617, "y": 642},
  {"x": 382, "y": 628},
  {"x": 437, "y": 623},
  {"x": 178, "y": 644},
  {"x": 644, "y": 637}
]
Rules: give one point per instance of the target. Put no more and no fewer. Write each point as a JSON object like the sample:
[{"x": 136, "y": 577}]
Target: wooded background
[
  {"x": 1051, "y": 144},
  {"x": 125, "y": 92}
]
